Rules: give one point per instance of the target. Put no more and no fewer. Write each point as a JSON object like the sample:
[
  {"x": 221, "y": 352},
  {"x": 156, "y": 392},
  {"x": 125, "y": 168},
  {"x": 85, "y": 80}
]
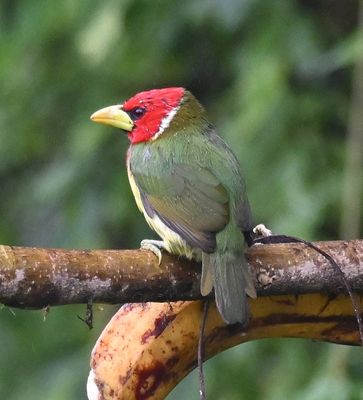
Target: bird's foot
[
  {"x": 155, "y": 246},
  {"x": 261, "y": 230}
]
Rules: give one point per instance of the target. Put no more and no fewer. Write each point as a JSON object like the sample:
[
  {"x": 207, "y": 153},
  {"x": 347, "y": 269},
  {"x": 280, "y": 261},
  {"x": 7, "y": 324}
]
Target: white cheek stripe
[{"x": 165, "y": 122}]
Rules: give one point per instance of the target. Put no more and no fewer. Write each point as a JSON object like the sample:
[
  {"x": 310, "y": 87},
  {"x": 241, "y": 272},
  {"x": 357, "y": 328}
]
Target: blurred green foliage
[{"x": 276, "y": 79}]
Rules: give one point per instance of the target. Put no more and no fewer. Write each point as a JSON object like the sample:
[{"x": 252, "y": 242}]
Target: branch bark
[{"x": 35, "y": 277}]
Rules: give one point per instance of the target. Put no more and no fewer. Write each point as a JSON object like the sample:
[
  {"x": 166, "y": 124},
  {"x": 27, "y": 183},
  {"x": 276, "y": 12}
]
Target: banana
[{"x": 147, "y": 348}]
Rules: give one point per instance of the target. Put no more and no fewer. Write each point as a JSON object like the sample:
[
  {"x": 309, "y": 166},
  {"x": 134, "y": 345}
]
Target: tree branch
[{"x": 35, "y": 278}]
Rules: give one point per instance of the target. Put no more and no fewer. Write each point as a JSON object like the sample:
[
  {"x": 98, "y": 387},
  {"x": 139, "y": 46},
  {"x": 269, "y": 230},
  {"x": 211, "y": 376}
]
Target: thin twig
[
  {"x": 88, "y": 319},
  {"x": 352, "y": 184},
  {"x": 202, "y": 391}
]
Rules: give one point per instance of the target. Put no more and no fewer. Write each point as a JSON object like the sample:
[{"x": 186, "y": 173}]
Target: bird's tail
[{"x": 227, "y": 271}]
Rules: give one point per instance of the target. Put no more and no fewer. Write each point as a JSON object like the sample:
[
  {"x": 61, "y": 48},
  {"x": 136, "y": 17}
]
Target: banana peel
[{"x": 147, "y": 348}]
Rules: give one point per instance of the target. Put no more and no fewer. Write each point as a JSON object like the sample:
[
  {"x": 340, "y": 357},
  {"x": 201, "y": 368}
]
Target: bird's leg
[{"x": 155, "y": 246}]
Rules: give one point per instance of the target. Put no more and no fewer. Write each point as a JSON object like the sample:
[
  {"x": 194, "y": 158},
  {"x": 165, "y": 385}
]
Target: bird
[{"x": 188, "y": 184}]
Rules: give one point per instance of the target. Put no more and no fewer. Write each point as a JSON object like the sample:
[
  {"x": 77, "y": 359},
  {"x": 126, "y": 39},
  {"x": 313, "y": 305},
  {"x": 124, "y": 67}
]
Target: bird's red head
[
  {"x": 152, "y": 111},
  {"x": 144, "y": 116}
]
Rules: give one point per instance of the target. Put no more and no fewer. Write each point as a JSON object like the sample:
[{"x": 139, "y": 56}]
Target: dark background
[{"x": 276, "y": 78}]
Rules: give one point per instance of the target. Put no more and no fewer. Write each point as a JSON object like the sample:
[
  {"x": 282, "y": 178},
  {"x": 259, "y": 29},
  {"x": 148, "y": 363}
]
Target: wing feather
[{"x": 190, "y": 201}]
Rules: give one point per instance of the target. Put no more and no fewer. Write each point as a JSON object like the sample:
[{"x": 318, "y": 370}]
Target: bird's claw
[
  {"x": 155, "y": 246},
  {"x": 261, "y": 230}
]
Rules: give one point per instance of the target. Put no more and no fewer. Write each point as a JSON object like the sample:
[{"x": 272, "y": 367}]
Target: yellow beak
[{"x": 114, "y": 116}]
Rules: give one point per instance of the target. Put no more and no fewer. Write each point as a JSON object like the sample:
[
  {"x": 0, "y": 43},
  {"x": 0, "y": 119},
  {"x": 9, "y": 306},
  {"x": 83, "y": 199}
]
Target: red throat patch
[{"x": 158, "y": 104}]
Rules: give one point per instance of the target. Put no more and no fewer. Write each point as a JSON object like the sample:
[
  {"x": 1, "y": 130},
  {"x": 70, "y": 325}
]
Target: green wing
[
  {"x": 190, "y": 200},
  {"x": 193, "y": 182}
]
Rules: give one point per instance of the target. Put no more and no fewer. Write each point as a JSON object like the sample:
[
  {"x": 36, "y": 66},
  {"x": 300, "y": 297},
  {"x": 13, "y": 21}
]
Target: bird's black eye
[{"x": 137, "y": 113}]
